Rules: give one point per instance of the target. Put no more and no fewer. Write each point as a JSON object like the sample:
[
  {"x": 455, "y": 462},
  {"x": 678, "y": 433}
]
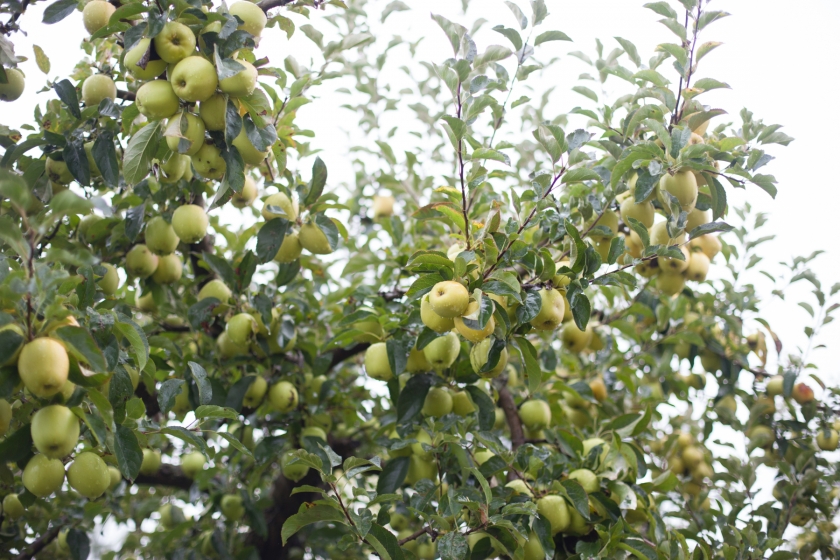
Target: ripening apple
[
  {"x": 96, "y": 88},
  {"x": 241, "y": 328},
  {"x": 110, "y": 281},
  {"x": 555, "y": 509},
  {"x": 55, "y": 431},
  {"x": 551, "y": 311},
  {"x": 169, "y": 270},
  {"x": 433, "y": 320},
  {"x": 643, "y": 212},
  {"x": 146, "y": 303},
  {"x": 161, "y": 238},
  {"x": 232, "y": 508},
  {"x": 242, "y": 83},
  {"x": 535, "y": 414},
  {"x": 151, "y": 462},
  {"x": 58, "y": 172},
  {"x": 443, "y": 351},
  {"x": 290, "y": 207},
  {"x": 175, "y": 42},
  {"x": 420, "y": 468},
  {"x": 314, "y": 240},
  {"x": 775, "y": 385},
  {"x": 474, "y": 335},
  {"x": 383, "y": 206},
  {"x": 697, "y": 218},
  {"x": 417, "y": 362},
  {"x": 170, "y": 516},
  {"x": 449, "y": 299},
  {"x": 295, "y": 471},
  {"x": 190, "y": 223},
  {"x": 212, "y": 111},
  {"x": 215, "y": 289},
  {"x": 599, "y": 389},
  {"x": 480, "y": 353},
  {"x": 462, "y": 403},
  {"x": 760, "y": 437},
  {"x": 153, "y": 69},
  {"x": 693, "y": 455},
  {"x": 192, "y": 133},
  {"x": 290, "y": 250},
  {"x": 43, "y": 476},
  {"x": 12, "y": 508},
  {"x": 659, "y": 235},
  {"x": 438, "y": 402},
  {"x": 5, "y": 416},
  {"x": 587, "y": 479},
  {"x": 377, "y": 365},
  {"x": 673, "y": 265},
  {"x": 88, "y": 475},
  {"x": 208, "y": 162},
  {"x": 708, "y": 244},
  {"x": 193, "y": 463},
  {"x": 156, "y": 99},
  {"x": 43, "y": 366},
  {"x": 114, "y": 476},
  {"x": 519, "y": 487},
  {"x": 252, "y": 16},
  {"x": 801, "y": 393},
  {"x": 174, "y": 168},
  {"x": 255, "y": 393},
  {"x": 670, "y": 284},
  {"x": 140, "y": 261},
  {"x": 283, "y": 396},
  {"x": 683, "y": 186},
  {"x": 96, "y": 14},
  {"x": 828, "y": 439},
  {"x": 13, "y": 88},
  {"x": 575, "y": 340},
  {"x": 250, "y": 154},
  {"x": 194, "y": 78},
  {"x": 247, "y": 195},
  {"x": 698, "y": 267}
]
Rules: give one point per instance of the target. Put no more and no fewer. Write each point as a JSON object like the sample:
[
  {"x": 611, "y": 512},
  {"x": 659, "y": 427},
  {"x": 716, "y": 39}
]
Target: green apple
[
  {"x": 160, "y": 236},
  {"x": 43, "y": 476},
  {"x": 140, "y": 261},
  {"x": 156, "y": 99},
  {"x": 377, "y": 365},
  {"x": 587, "y": 479},
  {"x": 153, "y": 69},
  {"x": 294, "y": 471},
  {"x": 283, "y": 396},
  {"x": 247, "y": 195},
  {"x": 241, "y": 328},
  {"x": 643, "y": 212},
  {"x": 417, "y": 362},
  {"x": 828, "y": 439},
  {"x": 194, "y": 79},
  {"x": 426, "y": 550},
  {"x": 692, "y": 455},
  {"x": 252, "y": 16},
  {"x": 555, "y": 509},
  {"x": 313, "y": 239},
  {"x": 146, "y": 303},
  {"x": 55, "y": 431},
  {"x": 575, "y": 340},
  {"x": 683, "y": 186},
  {"x": 212, "y": 111},
  {"x": 96, "y": 88},
  {"x": 193, "y": 463},
  {"x": 698, "y": 267},
  {"x": 13, "y": 88},
  {"x": 449, "y": 299},
  {"x": 438, "y": 402},
  {"x": 215, "y": 289},
  {"x": 88, "y": 475},
  {"x": 708, "y": 244},
  {"x": 290, "y": 249},
  {"x": 659, "y": 235},
  {"x": 43, "y": 366},
  {"x": 314, "y": 431},
  {"x": 670, "y": 284},
  {"x": 171, "y": 516},
  {"x": 87, "y": 222},
  {"x": 398, "y": 522},
  {"x": 208, "y": 162},
  {"x": 402, "y": 451},
  {"x": 417, "y": 448},
  {"x": 189, "y": 128},
  {"x": 290, "y": 207},
  {"x": 775, "y": 385},
  {"x": 12, "y": 508},
  {"x": 175, "y": 168},
  {"x": 249, "y": 153},
  {"x": 462, "y": 403},
  {"x": 433, "y": 320},
  {"x": 519, "y": 487},
  {"x": 242, "y": 83},
  {"x": 673, "y": 265},
  {"x": 151, "y": 462},
  {"x": 371, "y": 329},
  {"x": 190, "y": 223},
  {"x": 175, "y": 42},
  {"x": 442, "y": 352},
  {"x": 479, "y": 354},
  {"x": 58, "y": 172},
  {"x": 114, "y": 476},
  {"x": 473, "y": 335},
  {"x": 232, "y": 508},
  {"x": 578, "y": 525},
  {"x": 552, "y": 310},
  {"x": 5, "y": 416},
  {"x": 535, "y": 414},
  {"x": 420, "y": 468},
  {"x": 96, "y": 15},
  {"x": 169, "y": 270},
  {"x": 533, "y": 549},
  {"x": 609, "y": 220},
  {"x": 697, "y": 218},
  {"x": 256, "y": 392},
  {"x": 228, "y": 349}
]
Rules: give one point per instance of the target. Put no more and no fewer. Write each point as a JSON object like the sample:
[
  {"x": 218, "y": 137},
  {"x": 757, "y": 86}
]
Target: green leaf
[
  {"x": 539, "y": 11},
  {"x": 580, "y": 174},
  {"x": 270, "y": 238},
  {"x": 235, "y": 443},
  {"x": 17, "y": 446},
  {"x": 454, "y": 32},
  {"x": 137, "y": 338},
  {"x": 205, "y": 390},
  {"x": 329, "y": 228},
  {"x": 314, "y": 514},
  {"x": 631, "y": 50},
  {"x": 127, "y": 450},
  {"x": 577, "y": 495},
  {"x": 494, "y": 53},
  {"x": 395, "y": 6},
  {"x": 512, "y": 35},
  {"x": 78, "y": 543},
  {"x": 707, "y": 84},
  {"x": 139, "y": 153},
  {"x": 187, "y": 436},
  {"x": 711, "y": 227},
  {"x": 389, "y": 545},
  {"x": 486, "y": 408},
  {"x": 489, "y": 153},
  {"x": 531, "y": 362},
  {"x": 676, "y": 51},
  {"x": 41, "y": 59},
  {"x": 65, "y": 90},
  {"x": 59, "y": 10},
  {"x": 581, "y": 309},
  {"x": 412, "y": 397},
  {"x": 393, "y": 475},
  {"x": 705, "y": 49},
  {"x": 709, "y": 17},
  {"x": 453, "y": 546},
  {"x": 81, "y": 344},
  {"x": 551, "y": 36},
  {"x": 214, "y": 411},
  {"x": 105, "y": 157},
  {"x": 10, "y": 343},
  {"x": 586, "y": 92},
  {"x": 662, "y": 8},
  {"x": 518, "y": 14},
  {"x": 316, "y": 185}
]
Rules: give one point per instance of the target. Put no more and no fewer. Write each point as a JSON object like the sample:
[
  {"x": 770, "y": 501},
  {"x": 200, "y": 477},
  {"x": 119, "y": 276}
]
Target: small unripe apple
[
  {"x": 433, "y": 320},
  {"x": 153, "y": 69},
  {"x": 250, "y": 154},
  {"x": 417, "y": 362},
  {"x": 555, "y": 509},
  {"x": 683, "y": 186},
  {"x": 575, "y": 340},
  {"x": 295, "y": 471},
  {"x": 552, "y": 310},
  {"x": 599, "y": 389},
  {"x": 674, "y": 265},
  {"x": 420, "y": 468},
  {"x": 110, "y": 281},
  {"x": 190, "y": 223},
  {"x": 161, "y": 238},
  {"x": 88, "y": 475},
  {"x": 314, "y": 240},
  {"x": 175, "y": 42},
  {"x": 216, "y": 289},
  {"x": 449, "y": 299},
  {"x": 383, "y": 206},
  {"x": 146, "y": 303},
  {"x": 692, "y": 456},
  {"x": 232, "y": 508},
  {"x": 708, "y": 244},
  {"x": 156, "y": 99},
  {"x": 96, "y": 88},
  {"x": 12, "y": 508},
  {"x": 670, "y": 284},
  {"x": 242, "y": 83},
  {"x": 58, "y": 172},
  {"x": 43, "y": 476},
  {"x": 462, "y": 403},
  {"x": 227, "y": 348},
  {"x": 96, "y": 14},
  {"x": 193, "y": 78},
  {"x": 140, "y": 261},
  {"x": 193, "y": 463},
  {"x": 13, "y": 88},
  {"x": 519, "y": 487},
  {"x": 659, "y": 235},
  {"x": 252, "y": 16},
  {"x": 174, "y": 168},
  {"x": 208, "y": 162},
  {"x": 191, "y": 133},
  {"x": 247, "y": 195},
  {"x": 479, "y": 355},
  {"x": 377, "y": 364},
  {"x": 169, "y": 270},
  {"x": 474, "y": 335},
  {"x": 290, "y": 207},
  {"x": 438, "y": 402},
  {"x": 212, "y": 111},
  {"x": 801, "y": 393},
  {"x": 535, "y": 414},
  {"x": 43, "y": 366},
  {"x": 609, "y": 220},
  {"x": 698, "y": 267},
  {"x": 240, "y": 328},
  {"x": 151, "y": 462},
  {"x": 775, "y": 385},
  {"x": 255, "y": 393},
  {"x": 443, "y": 351},
  {"x": 697, "y": 218},
  {"x": 55, "y": 431},
  {"x": 283, "y": 396},
  {"x": 290, "y": 249},
  {"x": 587, "y": 479}
]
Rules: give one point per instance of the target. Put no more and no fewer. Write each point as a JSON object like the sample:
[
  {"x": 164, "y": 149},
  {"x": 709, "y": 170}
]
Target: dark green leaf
[
  {"x": 127, "y": 450},
  {"x": 711, "y": 227},
  {"x": 65, "y": 90},
  {"x": 169, "y": 389},
  {"x": 309, "y": 516},
  {"x": 18, "y": 445},
  {"x": 270, "y": 238},
  {"x": 392, "y": 475},
  {"x": 316, "y": 185},
  {"x": 78, "y": 543},
  {"x": 75, "y": 157},
  {"x": 412, "y": 397},
  {"x": 577, "y": 495},
  {"x": 105, "y": 157},
  {"x": 205, "y": 391},
  {"x": 81, "y": 344},
  {"x": 486, "y": 408}
]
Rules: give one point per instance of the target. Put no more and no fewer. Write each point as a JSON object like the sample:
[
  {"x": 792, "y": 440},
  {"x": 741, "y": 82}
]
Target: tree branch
[
  {"x": 149, "y": 400},
  {"x": 267, "y": 5},
  {"x": 167, "y": 475},
  {"x": 127, "y": 95},
  {"x": 342, "y": 354},
  {"x": 419, "y": 533},
  {"x": 39, "y": 544},
  {"x": 517, "y": 436}
]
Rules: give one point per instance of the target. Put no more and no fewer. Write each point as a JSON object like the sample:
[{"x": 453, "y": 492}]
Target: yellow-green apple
[
  {"x": 438, "y": 402},
  {"x": 376, "y": 362},
  {"x": 775, "y": 385},
  {"x": 250, "y": 154},
  {"x": 212, "y": 111},
  {"x": 114, "y": 476},
  {"x": 153, "y": 69},
  {"x": 43, "y": 476},
  {"x": 420, "y": 468},
  {"x": 479, "y": 355},
  {"x": 194, "y": 78},
  {"x": 241, "y": 327},
  {"x": 473, "y": 335},
  {"x": 314, "y": 431},
  {"x": 371, "y": 330},
  {"x": 193, "y": 463},
  {"x": 555, "y": 509},
  {"x": 192, "y": 133},
  {"x": 55, "y": 431},
  {"x": 14, "y": 86},
  {"x": 670, "y": 284},
  {"x": 280, "y": 200},
  {"x": 283, "y": 396},
  {"x": 827, "y": 439},
  {"x": 533, "y": 548},
  {"x": 294, "y": 471},
  {"x": 242, "y": 83},
  {"x": 58, "y": 172},
  {"x": 96, "y": 88},
  {"x": 156, "y": 99},
  {"x": 88, "y": 475},
  {"x": 314, "y": 240},
  {"x": 290, "y": 249},
  {"x": 12, "y": 508},
  {"x": 232, "y": 508},
  {"x": 535, "y": 414},
  {"x": 96, "y": 14},
  {"x": 643, "y": 212},
  {"x": 433, "y": 320},
  {"x": 673, "y": 265},
  {"x": 252, "y": 16},
  {"x": 443, "y": 351},
  {"x": 383, "y": 206},
  {"x": 697, "y": 218},
  {"x": 708, "y": 244},
  {"x": 146, "y": 303},
  {"x": 256, "y": 392},
  {"x": 175, "y": 42},
  {"x": 682, "y": 185},
  {"x": 140, "y": 261},
  {"x": 417, "y": 362},
  {"x": 216, "y": 289},
  {"x": 171, "y": 516},
  {"x": 698, "y": 267},
  {"x": 449, "y": 299},
  {"x": 208, "y": 162},
  {"x": 552, "y": 309},
  {"x": 587, "y": 479},
  {"x": 5, "y": 416},
  {"x": 575, "y": 340},
  {"x": 609, "y": 220},
  {"x": 659, "y": 235},
  {"x": 519, "y": 487},
  {"x": 169, "y": 269},
  {"x": 247, "y": 195},
  {"x": 151, "y": 462},
  {"x": 174, "y": 168},
  {"x": 462, "y": 403},
  {"x": 43, "y": 366},
  {"x": 190, "y": 223},
  {"x": 160, "y": 236}
]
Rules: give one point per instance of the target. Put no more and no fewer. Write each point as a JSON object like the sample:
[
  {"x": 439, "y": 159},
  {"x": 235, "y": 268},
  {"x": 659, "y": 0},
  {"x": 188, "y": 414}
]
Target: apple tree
[{"x": 515, "y": 333}]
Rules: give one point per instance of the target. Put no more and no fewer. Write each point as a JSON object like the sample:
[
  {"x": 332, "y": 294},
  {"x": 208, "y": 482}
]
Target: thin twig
[
  {"x": 39, "y": 544},
  {"x": 461, "y": 175}
]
